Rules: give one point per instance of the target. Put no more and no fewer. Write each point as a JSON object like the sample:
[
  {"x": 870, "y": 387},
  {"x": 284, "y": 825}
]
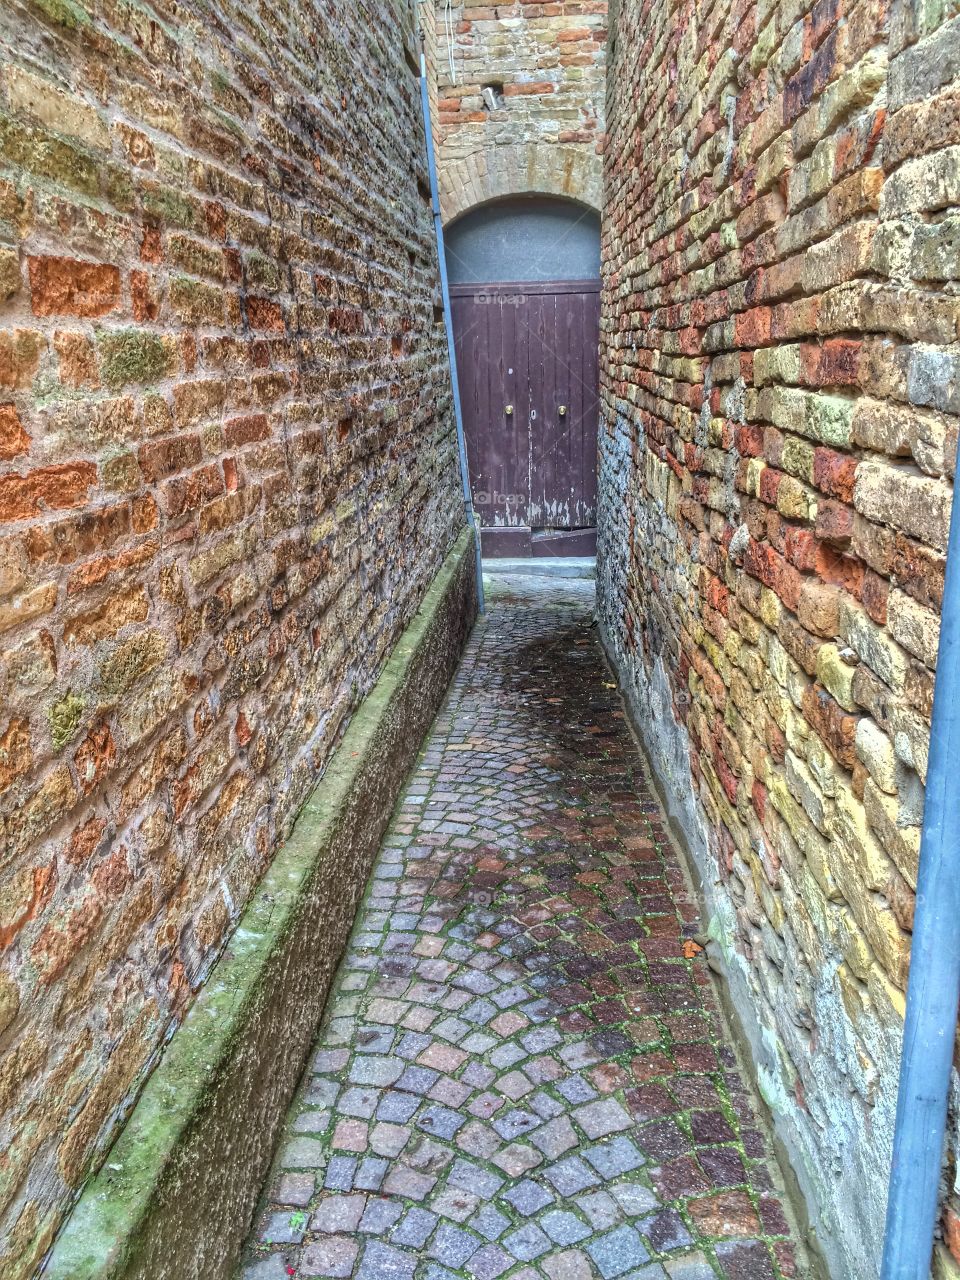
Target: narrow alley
[
  {"x": 611, "y": 936},
  {"x": 523, "y": 1069}
]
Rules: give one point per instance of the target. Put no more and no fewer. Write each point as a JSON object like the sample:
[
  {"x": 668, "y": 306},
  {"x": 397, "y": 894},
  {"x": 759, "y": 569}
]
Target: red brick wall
[
  {"x": 781, "y": 374},
  {"x": 227, "y": 477}
]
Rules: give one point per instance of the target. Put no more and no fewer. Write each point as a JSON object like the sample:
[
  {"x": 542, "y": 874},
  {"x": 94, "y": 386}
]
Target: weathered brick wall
[
  {"x": 227, "y": 477},
  {"x": 544, "y": 133},
  {"x": 781, "y": 384},
  {"x": 427, "y": 31}
]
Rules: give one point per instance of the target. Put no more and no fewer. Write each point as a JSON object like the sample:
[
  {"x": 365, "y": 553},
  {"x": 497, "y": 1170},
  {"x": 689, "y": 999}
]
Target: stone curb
[{"x": 176, "y": 1194}]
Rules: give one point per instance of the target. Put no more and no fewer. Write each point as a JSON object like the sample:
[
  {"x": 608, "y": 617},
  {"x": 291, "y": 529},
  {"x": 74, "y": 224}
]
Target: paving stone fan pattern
[{"x": 522, "y": 1071}]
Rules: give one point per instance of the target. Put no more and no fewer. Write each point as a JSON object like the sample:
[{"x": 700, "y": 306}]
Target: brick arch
[{"x": 525, "y": 169}]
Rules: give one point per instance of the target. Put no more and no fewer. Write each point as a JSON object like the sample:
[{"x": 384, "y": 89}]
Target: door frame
[{"x": 522, "y": 540}]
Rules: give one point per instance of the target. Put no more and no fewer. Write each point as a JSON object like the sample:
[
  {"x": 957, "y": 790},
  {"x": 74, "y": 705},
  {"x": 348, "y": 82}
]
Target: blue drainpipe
[
  {"x": 934, "y": 987},
  {"x": 448, "y": 323}
]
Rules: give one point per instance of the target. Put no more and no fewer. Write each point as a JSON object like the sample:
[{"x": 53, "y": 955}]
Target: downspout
[
  {"x": 448, "y": 324},
  {"x": 933, "y": 990}
]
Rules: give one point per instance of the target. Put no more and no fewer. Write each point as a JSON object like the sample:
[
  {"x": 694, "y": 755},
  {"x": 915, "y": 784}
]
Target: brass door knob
[
  {"x": 508, "y": 410},
  {"x": 563, "y": 410}
]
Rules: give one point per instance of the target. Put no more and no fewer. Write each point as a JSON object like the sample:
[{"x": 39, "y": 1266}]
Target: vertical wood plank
[{"x": 536, "y": 354}]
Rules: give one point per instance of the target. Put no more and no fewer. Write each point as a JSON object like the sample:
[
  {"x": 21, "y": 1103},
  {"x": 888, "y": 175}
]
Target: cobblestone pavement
[{"x": 522, "y": 1072}]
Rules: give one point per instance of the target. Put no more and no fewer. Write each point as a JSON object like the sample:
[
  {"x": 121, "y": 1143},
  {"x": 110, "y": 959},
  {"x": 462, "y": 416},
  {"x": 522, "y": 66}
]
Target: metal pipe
[
  {"x": 448, "y": 324},
  {"x": 933, "y": 991}
]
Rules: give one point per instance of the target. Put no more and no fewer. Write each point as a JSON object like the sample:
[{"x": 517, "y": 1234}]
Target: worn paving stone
[
  {"x": 564, "y": 1227},
  {"x": 615, "y": 1157},
  {"x": 284, "y": 1227},
  {"x": 528, "y": 1197},
  {"x": 333, "y": 1256},
  {"x": 527, "y": 1243},
  {"x": 383, "y": 1262},
  {"x": 452, "y": 1246},
  {"x": 522, "y": 1071},
  {"x": 571, "y": 1264},
  {"x": 273, "y": 1267},
  {"x": 489, "y": 1262},
  {"x": 295, "y": 1189},
  {"x": 380, "y": 1215},
  {"x": 601, "y": 1209},
  {"x": 617, "y": 1251},
  {"x": 571, "y": 1175}
]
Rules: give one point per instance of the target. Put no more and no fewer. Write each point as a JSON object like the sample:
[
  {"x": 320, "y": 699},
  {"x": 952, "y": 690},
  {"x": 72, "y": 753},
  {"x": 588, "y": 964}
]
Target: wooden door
[{"x": 527, "y": 359}]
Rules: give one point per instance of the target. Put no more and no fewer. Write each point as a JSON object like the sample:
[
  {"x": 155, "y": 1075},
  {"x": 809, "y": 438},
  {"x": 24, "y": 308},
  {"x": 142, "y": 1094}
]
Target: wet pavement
[{"x": 522, "y": 1072}]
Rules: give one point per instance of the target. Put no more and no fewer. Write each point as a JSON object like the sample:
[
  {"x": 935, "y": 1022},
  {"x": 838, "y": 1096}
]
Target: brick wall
[
  {"x": 781, "y": 384},
  {"x": 543, "y": 134},
  {"x": 227, "y": 477},
  {"x": 428, "y": 32}
]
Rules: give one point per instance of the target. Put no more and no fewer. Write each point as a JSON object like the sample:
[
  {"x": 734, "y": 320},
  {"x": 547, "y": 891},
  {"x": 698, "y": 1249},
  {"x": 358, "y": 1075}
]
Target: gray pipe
[
  {"x": 448, "y": 324},
  {"x": 934, "y": 987}
]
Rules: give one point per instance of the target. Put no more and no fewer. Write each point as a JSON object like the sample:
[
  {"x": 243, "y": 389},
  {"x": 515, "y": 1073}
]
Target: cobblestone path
[{"x": 521, "y": 1073}]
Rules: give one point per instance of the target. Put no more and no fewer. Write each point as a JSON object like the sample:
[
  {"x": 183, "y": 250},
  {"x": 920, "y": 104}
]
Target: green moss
[
  {"x": 171, "y": 207},
  {"x": 196, "y": 302},
  {"x": 121, "y": 473},
  {"x": 118, "y": 187},
  {"x": 68, "y": 13},
  {"x": 798, "y": 457},
  {"x": 262, "y": 272},
  {"x": 231, "y": 125},
  {"x": 9, "y": 1002},
  {"x": 132, "y": 355},
  {"x": 48, "y": 156},
  {"x": 828, "y": 419},
  {"x": 133, "y": 660},
  {"x": 65, "y": 717},
  {"x": 9, "y": 273},
  {"x": 196, "y": 257}
]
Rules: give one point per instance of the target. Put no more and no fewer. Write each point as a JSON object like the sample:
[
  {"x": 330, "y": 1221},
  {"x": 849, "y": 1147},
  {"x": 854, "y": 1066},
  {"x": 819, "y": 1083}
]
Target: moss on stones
[
  {"x": 65, "y": 717},
  {"x": 48, "y": 156},
  {"x": 170, "y": 207},
  {"x": 132, "y": 355},
  {"x": 196, "y": 302},
  {"x": 67, "y": 13}
]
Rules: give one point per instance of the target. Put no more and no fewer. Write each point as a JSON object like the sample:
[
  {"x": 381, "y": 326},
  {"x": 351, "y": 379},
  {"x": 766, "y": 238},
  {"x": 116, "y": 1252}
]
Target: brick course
[
  {"x": 545, "y": 66},
  {"x": 226, "y": 482},
  {"x": 779, "y": 347}
]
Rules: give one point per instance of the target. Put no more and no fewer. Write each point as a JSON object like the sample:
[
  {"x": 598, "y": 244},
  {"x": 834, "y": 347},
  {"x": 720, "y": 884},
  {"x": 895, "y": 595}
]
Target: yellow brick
[
  {"x": 836, "y": 676},
  {"x": 54, "y": 107}
]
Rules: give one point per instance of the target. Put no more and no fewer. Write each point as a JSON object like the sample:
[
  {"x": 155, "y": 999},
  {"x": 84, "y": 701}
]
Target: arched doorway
[{"x": 525, "y": 295}]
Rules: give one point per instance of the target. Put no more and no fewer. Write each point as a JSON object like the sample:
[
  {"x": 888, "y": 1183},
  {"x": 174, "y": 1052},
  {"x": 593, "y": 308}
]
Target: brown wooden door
[{"x": 527, "y": 358}]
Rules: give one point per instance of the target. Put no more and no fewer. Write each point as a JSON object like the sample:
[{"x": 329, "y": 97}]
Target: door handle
[
  {"x": 509, "y": 410},
  {"x": 562, "y": 410}
]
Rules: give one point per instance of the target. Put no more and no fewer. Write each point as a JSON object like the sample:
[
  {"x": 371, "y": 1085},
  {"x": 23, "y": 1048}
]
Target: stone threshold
[{"x": 176, "y": 1194}]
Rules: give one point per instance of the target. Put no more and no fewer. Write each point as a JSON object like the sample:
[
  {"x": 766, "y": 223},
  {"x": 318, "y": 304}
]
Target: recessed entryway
[{"x": 525, "y": 296}]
